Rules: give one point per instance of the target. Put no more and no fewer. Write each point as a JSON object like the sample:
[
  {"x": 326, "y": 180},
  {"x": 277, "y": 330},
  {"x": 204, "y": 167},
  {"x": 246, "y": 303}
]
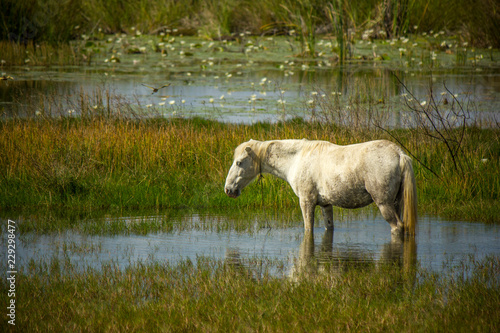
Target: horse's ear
[{"x": 250, "y": 152}]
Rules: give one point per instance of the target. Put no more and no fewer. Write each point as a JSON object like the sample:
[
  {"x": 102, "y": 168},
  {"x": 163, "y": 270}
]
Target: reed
[
  {"x": 53, "y": 22},
  {"x": 39, "y": 54},
  {"x": 338, "y": 15}
]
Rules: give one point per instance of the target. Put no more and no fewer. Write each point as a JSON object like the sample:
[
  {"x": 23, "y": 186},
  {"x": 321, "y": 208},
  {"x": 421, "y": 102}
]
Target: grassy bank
[
  {"x": 114, "y": 163},
  {"x": 214, "y": 296}
]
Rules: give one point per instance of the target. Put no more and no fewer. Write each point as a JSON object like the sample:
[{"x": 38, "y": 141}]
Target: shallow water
[
  {"x": 243, "y": 99},
  {"x": 439, "y": 246}
]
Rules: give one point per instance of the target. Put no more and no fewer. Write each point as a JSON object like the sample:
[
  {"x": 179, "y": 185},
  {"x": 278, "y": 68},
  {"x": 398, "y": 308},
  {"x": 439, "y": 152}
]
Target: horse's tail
[{"x": 408, "y": 201}]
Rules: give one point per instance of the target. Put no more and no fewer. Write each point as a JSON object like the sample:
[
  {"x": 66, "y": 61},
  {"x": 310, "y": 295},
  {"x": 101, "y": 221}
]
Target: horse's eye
[{"x": 238, "y": 163}]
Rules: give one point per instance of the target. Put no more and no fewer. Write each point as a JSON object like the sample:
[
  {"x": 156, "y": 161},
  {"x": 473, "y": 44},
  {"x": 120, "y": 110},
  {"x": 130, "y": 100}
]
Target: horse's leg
[
  {"x": 390, "y": 214},
  {"x": 328, "y": 216},
  {"x": 307, "y": 208}
]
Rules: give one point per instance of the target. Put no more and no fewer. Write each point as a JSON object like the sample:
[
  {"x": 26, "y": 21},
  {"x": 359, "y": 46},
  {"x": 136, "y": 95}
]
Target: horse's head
[{"x": 246, "y": 166}]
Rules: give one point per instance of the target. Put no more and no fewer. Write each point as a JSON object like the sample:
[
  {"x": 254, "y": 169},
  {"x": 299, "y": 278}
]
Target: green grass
[{"x": 216, "y": 295}]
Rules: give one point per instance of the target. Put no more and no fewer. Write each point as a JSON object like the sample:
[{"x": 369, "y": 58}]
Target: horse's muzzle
[{"x": 232, "y": 193}]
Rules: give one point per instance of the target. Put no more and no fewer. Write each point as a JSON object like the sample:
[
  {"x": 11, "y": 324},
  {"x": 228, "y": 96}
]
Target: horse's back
[
  {"x": 372, "y": 161},
  {"x": 348, "y": 176},
  {"x": 367, "y": 155}
]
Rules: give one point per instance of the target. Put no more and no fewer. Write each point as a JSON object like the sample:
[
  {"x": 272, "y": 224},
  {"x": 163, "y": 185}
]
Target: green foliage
[{"x": 55, "y": 21}]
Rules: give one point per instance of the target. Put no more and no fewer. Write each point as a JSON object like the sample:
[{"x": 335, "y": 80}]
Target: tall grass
[
  {"x": 52, "y": 21},
  {"x": 217, "y": 295},
  {"x": 40, "y": 54},
  {"x": 107, "y": 163}
]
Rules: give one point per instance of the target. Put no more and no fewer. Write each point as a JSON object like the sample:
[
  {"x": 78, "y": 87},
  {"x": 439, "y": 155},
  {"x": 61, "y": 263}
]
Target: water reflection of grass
[{"x": 239, "y": 295}]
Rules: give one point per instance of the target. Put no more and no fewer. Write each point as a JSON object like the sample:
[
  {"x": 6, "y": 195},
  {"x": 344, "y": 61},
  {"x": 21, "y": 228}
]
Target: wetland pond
[
  {"x": 258, "y": 79},
  {"x": 440, "y": 245}
]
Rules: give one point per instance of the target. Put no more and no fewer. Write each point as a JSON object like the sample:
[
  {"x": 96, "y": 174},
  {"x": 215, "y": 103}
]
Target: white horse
[{"x": 322, "y": 173}]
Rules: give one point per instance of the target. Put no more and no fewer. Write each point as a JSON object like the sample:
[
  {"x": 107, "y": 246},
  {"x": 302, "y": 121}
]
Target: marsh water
[
  {"x": 440, "y": 245},
  {"x": 264, "y": 94},
  {"x": 262, "y": 80}
]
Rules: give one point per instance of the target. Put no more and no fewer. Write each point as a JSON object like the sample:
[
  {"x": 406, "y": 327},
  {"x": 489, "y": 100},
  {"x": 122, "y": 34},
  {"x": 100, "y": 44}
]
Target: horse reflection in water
[{"x": 313, "y": 260}]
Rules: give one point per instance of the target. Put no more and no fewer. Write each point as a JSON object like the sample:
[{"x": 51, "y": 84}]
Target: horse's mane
[{"x": 260, "y": 148}]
